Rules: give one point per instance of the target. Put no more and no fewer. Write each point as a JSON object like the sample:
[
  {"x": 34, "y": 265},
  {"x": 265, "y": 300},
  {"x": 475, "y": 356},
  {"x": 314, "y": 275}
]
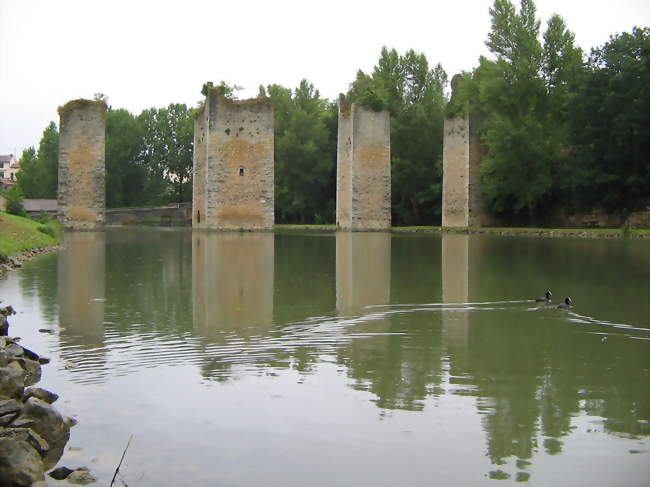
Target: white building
[{"x": 9, "y": 166}]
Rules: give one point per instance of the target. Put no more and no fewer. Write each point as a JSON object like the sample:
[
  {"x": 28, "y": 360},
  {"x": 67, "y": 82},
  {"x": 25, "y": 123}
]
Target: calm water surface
[{"x": 323, "y": 359}]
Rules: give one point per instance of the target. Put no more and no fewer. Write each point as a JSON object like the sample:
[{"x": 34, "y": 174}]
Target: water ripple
[{"x": 124, "y": 351}]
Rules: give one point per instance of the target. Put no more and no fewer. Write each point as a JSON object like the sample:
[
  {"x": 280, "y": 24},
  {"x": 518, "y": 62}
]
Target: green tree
[
  {"x": 167, "y": 152},
  {"x": 414, "y": 94},
  {"x": 125, "y": 172},
  {"x": 611, "y": 126},
  {"x": 305, "y": 170},
  {"x": 38, "y": 178},
  {"x": 27, "y": 177},
  {"x": 523, "y": 96},
  {"x": 14, "y": 204}
]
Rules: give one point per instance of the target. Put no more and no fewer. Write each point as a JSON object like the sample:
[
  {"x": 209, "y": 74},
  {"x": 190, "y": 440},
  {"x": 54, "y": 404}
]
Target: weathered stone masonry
[
  {"x": 233, "y": 164},
  {"x": 363, "y": 197},
  {"x": 463, "y": 151},
  {"x": 81, "y": 193}
]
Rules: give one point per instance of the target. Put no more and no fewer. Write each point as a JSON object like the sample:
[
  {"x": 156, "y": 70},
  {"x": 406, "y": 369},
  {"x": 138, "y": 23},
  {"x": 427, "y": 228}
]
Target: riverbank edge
[
  {"x": 33, "y": 433},
  {"x": 514, "y": 232},
  {"x": 16, "y": 260}
]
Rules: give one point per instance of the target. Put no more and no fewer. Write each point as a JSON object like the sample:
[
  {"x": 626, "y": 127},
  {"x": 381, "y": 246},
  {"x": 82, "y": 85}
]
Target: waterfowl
[
  {"x": 545, "y": 299},
  {"x": 567, "y": 303}
]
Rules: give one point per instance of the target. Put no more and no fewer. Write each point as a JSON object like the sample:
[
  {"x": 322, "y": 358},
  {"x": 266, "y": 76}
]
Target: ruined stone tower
[
  {"x": 363, "y": 168},
  {"x": 233, "y": 164},
  {"x": 81, "y": 194},
  {"x": 463, "y": 151}
]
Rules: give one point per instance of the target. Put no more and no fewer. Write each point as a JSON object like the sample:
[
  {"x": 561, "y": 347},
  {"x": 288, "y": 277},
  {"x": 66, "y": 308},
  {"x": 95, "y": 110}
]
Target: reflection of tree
[
  {"x": 534, "y": 372},
  {"x": 401, "y": 373},
  {"x": 38, "y": 281},
  {"x": 304, "y": 276},
  {"x": 148, "y": 281}
]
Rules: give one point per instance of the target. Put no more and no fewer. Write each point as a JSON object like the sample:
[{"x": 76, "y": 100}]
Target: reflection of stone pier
[
  {"x": 81, "y": 192},
  {"x": 362, "y": 271},
  {"x": 363, "y": 196},
  {"x": 455, "y": 285},
  {"x": 81, "y": 276},
  {"x": 232, "y": 282}
]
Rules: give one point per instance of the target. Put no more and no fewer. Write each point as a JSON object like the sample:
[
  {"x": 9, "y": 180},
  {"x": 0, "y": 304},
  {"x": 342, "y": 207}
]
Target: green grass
[
  {"x": 547, "y": 232},
  {"x": 304, "y": 227},
  {"x": 18, "y": 234}
]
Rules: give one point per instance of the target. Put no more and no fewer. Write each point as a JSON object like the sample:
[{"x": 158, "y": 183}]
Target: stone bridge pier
[
  {"x": 233, "y": 164},
  {"x": 363, "y": 192},
  {"x": 82, "y": 153}
]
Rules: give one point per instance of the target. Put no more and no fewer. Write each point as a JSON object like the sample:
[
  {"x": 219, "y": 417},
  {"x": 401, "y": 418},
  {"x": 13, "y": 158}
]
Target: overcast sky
[{"x": 150, "y": 53}]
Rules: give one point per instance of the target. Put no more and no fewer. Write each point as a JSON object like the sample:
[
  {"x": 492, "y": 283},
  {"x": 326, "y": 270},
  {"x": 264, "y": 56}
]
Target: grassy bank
[
  {"x": 538, "y": 232},
  {"x": 533, "y": 232},
  {"x": 18, "y": 234}
]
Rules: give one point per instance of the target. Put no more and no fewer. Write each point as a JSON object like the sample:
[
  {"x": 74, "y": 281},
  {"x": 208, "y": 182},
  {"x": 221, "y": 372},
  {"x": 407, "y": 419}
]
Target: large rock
[
  {"x": 39, "y": 393},
  {"x": 43, "y": 419},
  {"x": 32, "y": 369},
  {"x": 9, "y": 409},
  {"x": 8, "y": 406},
  {"x": 14, "y": 350},
  {"x": 28, "y": 436},
  {"x": 20, "y": 463},
  {"x": 81, "y": 476},
  {"x": 12, "y": 381}
]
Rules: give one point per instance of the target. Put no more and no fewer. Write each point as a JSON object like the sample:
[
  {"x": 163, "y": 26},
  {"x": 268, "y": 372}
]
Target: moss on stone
[{"x": 81, "y": 104}]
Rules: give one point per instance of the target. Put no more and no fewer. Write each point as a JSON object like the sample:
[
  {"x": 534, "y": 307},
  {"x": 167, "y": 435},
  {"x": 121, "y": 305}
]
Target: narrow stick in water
[{"x": 121, "y": 460}]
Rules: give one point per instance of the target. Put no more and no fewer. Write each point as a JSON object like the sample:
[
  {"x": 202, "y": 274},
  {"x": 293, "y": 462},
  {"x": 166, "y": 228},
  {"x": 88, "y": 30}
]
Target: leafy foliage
[
  {"x": 305, "y": 154},
  {"x": 610, "y": 126},
  {"x": 126, "y": 174},
  {"x": 167, "y": 149},
  {"x": 38, "y": 176},
  {"x": 523, "y": 96},
  {"x": 14, "y": 201}
]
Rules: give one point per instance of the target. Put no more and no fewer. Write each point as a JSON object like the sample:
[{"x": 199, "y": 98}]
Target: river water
[{"x": 339, "y": 359}]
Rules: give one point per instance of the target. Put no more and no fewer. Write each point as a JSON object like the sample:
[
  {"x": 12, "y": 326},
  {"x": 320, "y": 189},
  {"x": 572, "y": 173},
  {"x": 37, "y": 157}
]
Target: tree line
[{"x": 564, "y": 132}]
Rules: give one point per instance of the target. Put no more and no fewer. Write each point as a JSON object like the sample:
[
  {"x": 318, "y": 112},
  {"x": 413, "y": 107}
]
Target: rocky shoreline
[
  {"x": 17, "y": 260},
  {"x": 33, "y": 434}
]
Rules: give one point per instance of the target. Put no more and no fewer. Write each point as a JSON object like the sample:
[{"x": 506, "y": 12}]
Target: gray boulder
[
  {"x": 43, "y": 419},
  {"x": 32, "y": 369},
  {"x": 81, "y": 476},
  {"x": 40, "y": 393},
  {"x": 8, "y": 406},
  {"x": 12, "y": 381},
  {"x": 14, "y": 350},
  {"x": 28, "y": 436},
  {"x": 20, "y": 463}
]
